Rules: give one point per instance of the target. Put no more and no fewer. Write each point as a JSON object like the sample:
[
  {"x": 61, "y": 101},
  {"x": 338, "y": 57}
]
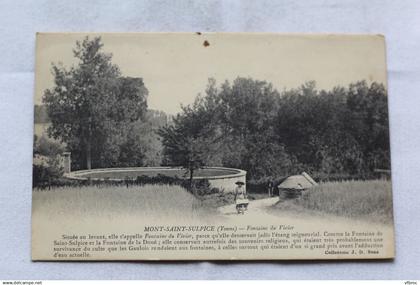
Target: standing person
[
  {"x": 241, "y": 198},
  {"x": 270, "y": 189}
]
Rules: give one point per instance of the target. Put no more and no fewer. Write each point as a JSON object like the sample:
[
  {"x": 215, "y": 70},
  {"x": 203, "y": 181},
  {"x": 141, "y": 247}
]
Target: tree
[
  {"x": 191, "y": 141},
  {"x": 122, "y": 145},
  {"x": 367, "y": 121},
  {"x": 230, "y": 126},
  {"x": 248, "y": 111},
  {"x": 91, "y": 105},
  {"x": 250, "y": 125}
]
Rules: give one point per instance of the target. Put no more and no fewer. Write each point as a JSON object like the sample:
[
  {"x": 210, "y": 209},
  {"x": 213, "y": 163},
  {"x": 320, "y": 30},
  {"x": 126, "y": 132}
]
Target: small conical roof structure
[{"x": 298, "y": 182}]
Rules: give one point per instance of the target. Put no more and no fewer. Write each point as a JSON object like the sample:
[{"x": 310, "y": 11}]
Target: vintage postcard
[{"x": 211, "y": 146}]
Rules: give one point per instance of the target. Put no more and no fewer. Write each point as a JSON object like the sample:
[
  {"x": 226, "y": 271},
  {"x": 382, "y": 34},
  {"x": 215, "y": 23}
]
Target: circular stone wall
[{"x": 218, "y": 177}]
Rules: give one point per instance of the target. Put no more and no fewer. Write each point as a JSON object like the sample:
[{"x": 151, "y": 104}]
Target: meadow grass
[
  {"x": 367, "y": 200},
  {"x": 148, "y": 201}
]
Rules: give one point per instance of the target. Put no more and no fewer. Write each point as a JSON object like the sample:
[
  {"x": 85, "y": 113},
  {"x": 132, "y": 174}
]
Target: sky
[{"x": 176, "y": 67}]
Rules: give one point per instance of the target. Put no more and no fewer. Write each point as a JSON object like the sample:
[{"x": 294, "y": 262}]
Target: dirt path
[{"x": 257, "y": 210}]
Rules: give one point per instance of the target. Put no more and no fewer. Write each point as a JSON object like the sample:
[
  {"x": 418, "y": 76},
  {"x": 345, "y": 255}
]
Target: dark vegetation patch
[{"x": 363, "y": 200}]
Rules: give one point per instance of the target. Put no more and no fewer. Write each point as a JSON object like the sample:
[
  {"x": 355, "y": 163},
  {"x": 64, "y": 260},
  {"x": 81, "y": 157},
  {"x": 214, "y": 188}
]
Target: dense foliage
[
  {"x": 47, "y": 168},
  {"x": 101, "y": 117},
  {"x": 93, "y": 109},
  {"x": 250, "y": 125}
]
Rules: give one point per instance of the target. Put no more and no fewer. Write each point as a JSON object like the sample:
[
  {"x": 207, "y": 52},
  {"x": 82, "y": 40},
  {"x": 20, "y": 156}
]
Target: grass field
[
  {"x": 113, "y": 202},
  {"x": 367, "y": 200}
]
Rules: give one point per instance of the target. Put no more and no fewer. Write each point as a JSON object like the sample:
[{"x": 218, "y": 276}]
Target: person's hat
[{"x": 239, "y": 183}]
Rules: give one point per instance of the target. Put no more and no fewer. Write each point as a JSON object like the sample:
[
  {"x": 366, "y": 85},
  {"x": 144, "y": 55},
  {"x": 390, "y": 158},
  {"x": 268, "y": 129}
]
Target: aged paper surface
[{"x": 206, "y": 146}]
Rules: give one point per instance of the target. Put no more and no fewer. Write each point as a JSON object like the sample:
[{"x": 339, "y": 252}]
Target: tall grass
[
  {"x": 368, "y": 200},
  {"x": 107, "y": 201}
]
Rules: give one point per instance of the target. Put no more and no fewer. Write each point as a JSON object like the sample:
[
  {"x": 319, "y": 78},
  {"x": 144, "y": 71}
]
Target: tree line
[
  {"x": 248, "y": 124},
  {"x": 102, "y": 117}
]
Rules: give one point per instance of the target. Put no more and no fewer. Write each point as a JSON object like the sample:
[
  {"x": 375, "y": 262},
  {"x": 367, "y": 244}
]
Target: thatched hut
[{"x": 293, "y": 186}]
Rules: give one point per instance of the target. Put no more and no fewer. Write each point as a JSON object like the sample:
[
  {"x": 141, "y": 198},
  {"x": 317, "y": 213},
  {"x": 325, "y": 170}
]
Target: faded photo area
[{"x": 177, "y": 146}]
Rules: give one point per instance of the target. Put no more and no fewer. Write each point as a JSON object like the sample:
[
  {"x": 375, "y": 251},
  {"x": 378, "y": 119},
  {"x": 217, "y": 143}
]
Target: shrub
[
  {"x": 47, "y": 147},
  {"x": 48, "y": 173}
]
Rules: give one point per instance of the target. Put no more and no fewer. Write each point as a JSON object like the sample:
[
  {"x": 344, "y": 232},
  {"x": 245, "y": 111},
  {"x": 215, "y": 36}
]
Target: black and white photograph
[{"x": 211, "y": 146}]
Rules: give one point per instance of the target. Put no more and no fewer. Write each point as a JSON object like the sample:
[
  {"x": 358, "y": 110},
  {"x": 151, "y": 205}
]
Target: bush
[
  {"x": 48, "y": 173},
  {"x": 202, "y": 187},
  {"x": 47, "y": 147}
]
